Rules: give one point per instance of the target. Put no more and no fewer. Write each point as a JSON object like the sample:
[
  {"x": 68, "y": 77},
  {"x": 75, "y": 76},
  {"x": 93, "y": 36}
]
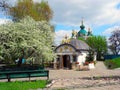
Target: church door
[{"x": 66, "y": 61}]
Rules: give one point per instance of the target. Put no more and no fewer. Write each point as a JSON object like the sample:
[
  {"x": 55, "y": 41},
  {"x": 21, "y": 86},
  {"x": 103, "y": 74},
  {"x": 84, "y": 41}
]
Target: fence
[{"x": 108, "y": 57}]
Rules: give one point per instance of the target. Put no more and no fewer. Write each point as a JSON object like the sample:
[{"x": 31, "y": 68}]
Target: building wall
[{"x": 81, "y": 58}]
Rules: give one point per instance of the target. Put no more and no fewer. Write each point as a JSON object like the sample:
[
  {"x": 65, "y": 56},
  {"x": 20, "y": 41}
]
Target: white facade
[
  {"x": 67, "y": 54},
  {"x": 72, "y": 53},
  {"x": 81, "y": 58}
]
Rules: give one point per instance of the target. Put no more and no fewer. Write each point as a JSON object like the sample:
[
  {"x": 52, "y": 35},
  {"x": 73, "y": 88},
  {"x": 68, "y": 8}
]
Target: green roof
[
  {"x": 82, "y": 26},
  {"x": 82, "y": 31}
]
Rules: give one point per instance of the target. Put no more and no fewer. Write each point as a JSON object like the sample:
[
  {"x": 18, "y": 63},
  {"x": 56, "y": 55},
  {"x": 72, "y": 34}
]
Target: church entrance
[{"x": 66, "y": 61}]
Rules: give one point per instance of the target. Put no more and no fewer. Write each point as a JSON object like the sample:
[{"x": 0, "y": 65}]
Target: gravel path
[
  {"x": 100, "y": 70},
  {"x": 72, "y": 79}
]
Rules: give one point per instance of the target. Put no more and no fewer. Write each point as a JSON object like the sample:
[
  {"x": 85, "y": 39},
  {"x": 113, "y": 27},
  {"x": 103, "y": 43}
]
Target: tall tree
[
  {"x": 115, "y": 42},
  {"x": 99, "y": 44},
  {"x": 27, "y": 39},
  {"x": 38, "y": 11}
]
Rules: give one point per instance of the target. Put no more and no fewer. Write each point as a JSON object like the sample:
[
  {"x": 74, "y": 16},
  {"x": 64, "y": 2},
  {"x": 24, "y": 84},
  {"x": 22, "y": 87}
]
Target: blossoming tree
[{"x": 28, "y": 39}]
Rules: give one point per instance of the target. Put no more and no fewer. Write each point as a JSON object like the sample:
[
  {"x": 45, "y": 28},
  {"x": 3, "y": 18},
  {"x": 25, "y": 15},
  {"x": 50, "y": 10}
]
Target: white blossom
[{"x": 29, "y": 35}]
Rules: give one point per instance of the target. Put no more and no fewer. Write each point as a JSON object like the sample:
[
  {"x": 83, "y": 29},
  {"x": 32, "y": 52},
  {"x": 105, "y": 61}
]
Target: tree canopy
[
  {"x": 99, "y": 44},
  {"x": 115, "y": 42},
  {"x": 28, "y": 38},
  {"x": 38, "y": 11}
]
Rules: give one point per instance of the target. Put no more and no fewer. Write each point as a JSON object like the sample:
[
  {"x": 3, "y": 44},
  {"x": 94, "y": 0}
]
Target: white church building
[{"x": 72, "y": 52}]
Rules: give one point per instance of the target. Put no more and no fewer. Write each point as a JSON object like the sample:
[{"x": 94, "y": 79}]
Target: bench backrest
[{"x": 21, "y": 68}]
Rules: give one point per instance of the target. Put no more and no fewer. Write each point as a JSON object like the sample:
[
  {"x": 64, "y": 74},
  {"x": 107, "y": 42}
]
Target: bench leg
[
  {"x": 29, "y": 76},
  {"x": 8, "y": 77},
  {"x": 9, "y": 80}
]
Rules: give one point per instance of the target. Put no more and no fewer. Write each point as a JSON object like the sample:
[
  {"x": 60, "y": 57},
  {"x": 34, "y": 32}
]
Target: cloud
[
  {"x": 110, "y": 30},
  {"x": 95, "y": 12},
  {"x": 59, "y": 35}
]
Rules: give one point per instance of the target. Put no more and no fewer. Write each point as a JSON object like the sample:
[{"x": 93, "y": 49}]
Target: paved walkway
[
  {"x": 109, "y": 87},
  {"x": 100, "y": 70},
  {"x": 68, "y": 78}
]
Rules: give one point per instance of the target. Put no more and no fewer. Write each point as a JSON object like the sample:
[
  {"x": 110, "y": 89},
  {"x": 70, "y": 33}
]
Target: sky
[{"x": 102, "y": 16}]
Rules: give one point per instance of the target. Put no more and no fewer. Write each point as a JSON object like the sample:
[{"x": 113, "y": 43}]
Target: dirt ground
[{"x": 71, "y": 79}]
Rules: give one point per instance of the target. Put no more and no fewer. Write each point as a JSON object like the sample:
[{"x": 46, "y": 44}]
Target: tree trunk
[
  {"x": 98, "y": 56},
  {"x": 20, "y": 62}
]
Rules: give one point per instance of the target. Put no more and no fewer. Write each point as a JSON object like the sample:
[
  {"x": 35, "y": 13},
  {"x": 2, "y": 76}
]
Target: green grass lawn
[
  {"x": 112, "y": 64},
  {"x": 22, "y": 85}
]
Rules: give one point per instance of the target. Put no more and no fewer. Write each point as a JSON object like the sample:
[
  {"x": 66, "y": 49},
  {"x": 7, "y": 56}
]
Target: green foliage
[
  {"x": 28, "y": 38},
  {"x": 81, "y": 38},
  {"x": 38, "y": 11},
  {"x": 114, "y": 63},
  {"x": 22, "y": 85},
  {"x": 90, "y": 56},
  {"x": 98, "y": 43}
]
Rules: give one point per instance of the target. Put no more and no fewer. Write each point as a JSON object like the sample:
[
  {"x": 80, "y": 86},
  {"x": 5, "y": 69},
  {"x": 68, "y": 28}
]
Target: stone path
[
  {"x": 100, "y": 70},
  {"x": 109, "y": 87},
  {"x": 80, "y": 83},
  {"x": 71, "y": 78}
]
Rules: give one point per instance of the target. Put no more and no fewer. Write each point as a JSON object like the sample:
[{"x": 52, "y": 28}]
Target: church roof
[
  {"x": 82, "y": 31},
  {"x": 82, "y": 26},
  {"x": 79, "y": 44}
]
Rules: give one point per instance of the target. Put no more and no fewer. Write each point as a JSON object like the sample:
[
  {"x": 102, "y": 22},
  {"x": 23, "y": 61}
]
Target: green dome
[
  {"x": 82, "y": 31},
  {"x": 82, "y": 26}
]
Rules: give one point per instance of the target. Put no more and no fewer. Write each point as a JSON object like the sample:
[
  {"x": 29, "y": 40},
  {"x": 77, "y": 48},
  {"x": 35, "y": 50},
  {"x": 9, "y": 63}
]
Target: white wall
[{"x": 81, "y": 58}]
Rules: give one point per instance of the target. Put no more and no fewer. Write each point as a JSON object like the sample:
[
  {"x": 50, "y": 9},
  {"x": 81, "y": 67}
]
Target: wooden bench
[{"x": 23, "y": 74}]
